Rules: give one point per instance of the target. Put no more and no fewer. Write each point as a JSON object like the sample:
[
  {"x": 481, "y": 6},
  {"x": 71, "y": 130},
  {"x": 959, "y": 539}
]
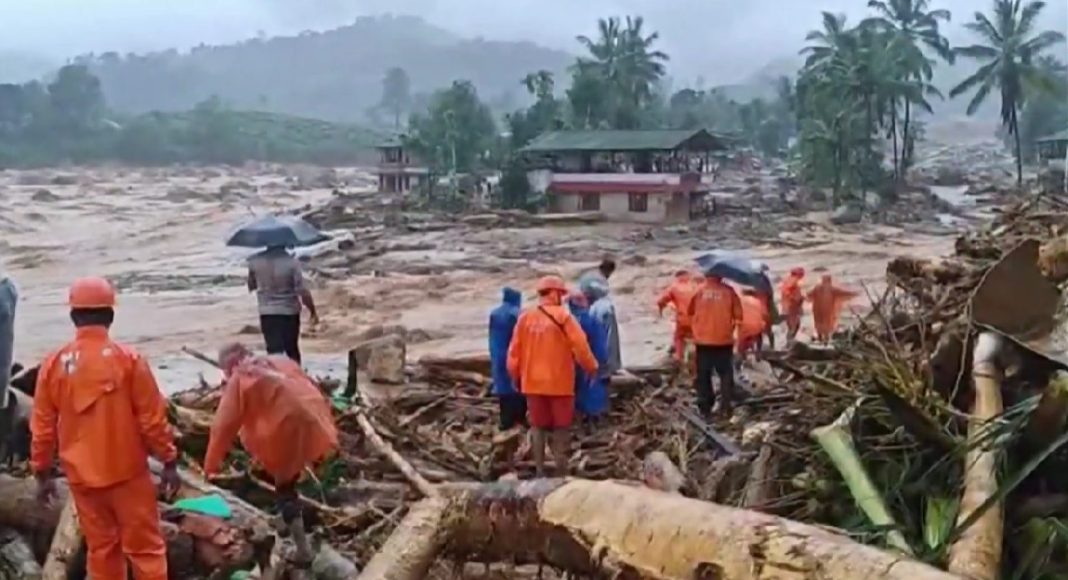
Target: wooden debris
[{"x": 417, "y": 480}]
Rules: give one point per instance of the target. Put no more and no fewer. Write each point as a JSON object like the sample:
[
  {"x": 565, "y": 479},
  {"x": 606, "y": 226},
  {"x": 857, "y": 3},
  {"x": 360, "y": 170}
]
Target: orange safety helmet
[
  {"x": 91, "y": 292},
  {"x": 551, "y": 284}
]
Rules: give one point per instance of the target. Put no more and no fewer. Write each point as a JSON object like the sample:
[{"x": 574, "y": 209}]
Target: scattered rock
[
  {"x": 249, "y": 329},
  {"x": 64, "y": 180},
  {"x": 44, "y": 195}
]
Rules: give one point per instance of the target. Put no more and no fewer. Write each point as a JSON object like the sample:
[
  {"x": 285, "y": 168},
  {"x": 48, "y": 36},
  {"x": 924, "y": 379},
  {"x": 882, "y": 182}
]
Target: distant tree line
[
  {"x": 68, "y": 120},
  {"x": 862, "y": 90}
]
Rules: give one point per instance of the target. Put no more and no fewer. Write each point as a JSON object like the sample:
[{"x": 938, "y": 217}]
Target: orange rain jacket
[
  {"x": 99, "y": 401},
  {"x": 827, "y": 302},
  {"x": 284, "y": 421},
  {"x": 679, "y": 295},
  {"x": 545, "y": 346},
  {"x": 755, "y": 316},
  {"x": 715, "y": 312},
  {"x": 793, "y": 299}
]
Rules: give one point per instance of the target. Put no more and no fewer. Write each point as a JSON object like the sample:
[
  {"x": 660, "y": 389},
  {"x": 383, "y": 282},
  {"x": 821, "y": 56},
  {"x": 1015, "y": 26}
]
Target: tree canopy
[{"x": 1009, "y": 62}]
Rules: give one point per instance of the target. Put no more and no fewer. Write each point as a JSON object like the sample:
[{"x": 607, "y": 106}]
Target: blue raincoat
[
  {"x": 604, "y": 312},
  {"x": 501, "y": 326},
  {"x": 591, "y": 393}
]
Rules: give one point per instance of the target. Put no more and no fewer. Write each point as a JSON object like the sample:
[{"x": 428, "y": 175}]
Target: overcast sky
[{"x": 729, "y": 36}]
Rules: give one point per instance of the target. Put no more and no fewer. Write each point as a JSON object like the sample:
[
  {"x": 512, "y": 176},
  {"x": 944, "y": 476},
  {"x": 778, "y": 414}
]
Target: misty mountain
[{"x": 334, "y": 75}]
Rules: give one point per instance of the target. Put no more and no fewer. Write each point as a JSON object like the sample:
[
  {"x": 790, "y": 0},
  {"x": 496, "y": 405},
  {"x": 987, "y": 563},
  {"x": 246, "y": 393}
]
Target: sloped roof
[
  {"x": 1058, "y": 136},
  {"x": 658, "y": 140}
]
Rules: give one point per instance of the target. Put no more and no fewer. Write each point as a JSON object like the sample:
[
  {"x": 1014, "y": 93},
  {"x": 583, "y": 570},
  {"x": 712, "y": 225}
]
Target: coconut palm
[
  {"x": 1009, "y": 58},
  {"x": 915, "y": 26},
  {"x": 623, "y": 59}
]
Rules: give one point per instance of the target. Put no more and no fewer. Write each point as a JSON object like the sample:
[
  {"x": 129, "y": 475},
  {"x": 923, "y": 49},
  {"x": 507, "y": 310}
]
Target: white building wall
[{"x": 616, "y": 206}]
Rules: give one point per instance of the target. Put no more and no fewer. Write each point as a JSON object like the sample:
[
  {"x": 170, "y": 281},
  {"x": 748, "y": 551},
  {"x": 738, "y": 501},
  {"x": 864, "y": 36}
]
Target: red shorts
[{"x": 550, "y": 412}]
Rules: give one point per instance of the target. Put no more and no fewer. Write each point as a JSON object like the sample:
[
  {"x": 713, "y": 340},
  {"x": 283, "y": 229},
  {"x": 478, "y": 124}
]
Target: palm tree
[
  {"x": 915, "y": 26},
  {"x": 624, "y": 59},
  {"x": 829, "y": 41},
  {"x": 1010, "y": 62}
]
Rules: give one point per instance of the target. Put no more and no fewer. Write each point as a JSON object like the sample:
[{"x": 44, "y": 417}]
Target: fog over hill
[{"x": 260, "y": 53}]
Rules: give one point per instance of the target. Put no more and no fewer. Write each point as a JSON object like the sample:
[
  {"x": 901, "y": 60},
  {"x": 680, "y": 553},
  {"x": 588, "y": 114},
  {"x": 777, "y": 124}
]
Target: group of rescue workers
[
  {"x": 97, "y": 401},
  {"x": 556, "y": 358}
]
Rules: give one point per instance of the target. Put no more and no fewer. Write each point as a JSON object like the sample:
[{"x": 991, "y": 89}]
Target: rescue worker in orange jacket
[
  {"x": 547, "y": 343},
  {"x": 284, "y": 421},
  {"x": 716, "y": 312},
  {"x": 97, "y": 401},
  {"x": 792, "y": 297},
  {"x": 755, "y": 321},
  {"x": 679, "y": 295},
  {"x": 827, "y": 302}
]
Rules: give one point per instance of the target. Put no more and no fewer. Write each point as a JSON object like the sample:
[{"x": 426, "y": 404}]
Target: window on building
[
  {"x": 590, "y": 202},
  {"x": 639, "y": 202}
]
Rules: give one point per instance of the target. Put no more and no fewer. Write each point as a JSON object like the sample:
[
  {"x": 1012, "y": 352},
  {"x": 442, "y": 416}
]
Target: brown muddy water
[{"x": 158, "y": 234}]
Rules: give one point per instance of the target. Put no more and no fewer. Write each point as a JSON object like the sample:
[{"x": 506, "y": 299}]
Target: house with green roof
[{"x": 660, "y": 176}]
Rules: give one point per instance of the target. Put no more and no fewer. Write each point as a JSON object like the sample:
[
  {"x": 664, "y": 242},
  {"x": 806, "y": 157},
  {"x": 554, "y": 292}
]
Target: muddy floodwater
[{"x": 159, "y": 233}]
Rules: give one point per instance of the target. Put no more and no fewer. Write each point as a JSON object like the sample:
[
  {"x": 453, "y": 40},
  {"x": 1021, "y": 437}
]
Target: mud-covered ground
[{"x": 159, "y": 233}]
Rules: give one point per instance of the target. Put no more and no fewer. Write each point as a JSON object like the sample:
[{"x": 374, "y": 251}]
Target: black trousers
[
  {"x": 513, "y": 411},
  {"x": 281, "y": 333},
  {"x": 720, "y": 360}
]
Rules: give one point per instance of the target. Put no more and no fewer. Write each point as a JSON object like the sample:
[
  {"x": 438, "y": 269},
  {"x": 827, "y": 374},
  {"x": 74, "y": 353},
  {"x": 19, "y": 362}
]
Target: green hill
[{"x": 335, "y": 75}]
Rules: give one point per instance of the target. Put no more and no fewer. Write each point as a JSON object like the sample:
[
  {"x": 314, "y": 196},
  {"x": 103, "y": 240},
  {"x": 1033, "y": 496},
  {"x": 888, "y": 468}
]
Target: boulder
[
  {"x": 382, "y": 357},
  {"x": 386, "y": 364}
]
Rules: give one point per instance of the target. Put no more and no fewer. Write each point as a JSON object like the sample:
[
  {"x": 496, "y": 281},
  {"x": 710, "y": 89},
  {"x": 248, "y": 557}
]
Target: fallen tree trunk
[
  {"x": 977, "y": 552},
  {"x": 478, "y": 363},
  {"x": 66, "y": 542},
  {"x": 601, "y": 528},
  {"x": 414, "y": 544}
]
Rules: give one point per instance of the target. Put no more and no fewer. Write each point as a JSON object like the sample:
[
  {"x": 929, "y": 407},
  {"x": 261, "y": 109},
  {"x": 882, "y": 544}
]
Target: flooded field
[{"x": 159, "y": 235}]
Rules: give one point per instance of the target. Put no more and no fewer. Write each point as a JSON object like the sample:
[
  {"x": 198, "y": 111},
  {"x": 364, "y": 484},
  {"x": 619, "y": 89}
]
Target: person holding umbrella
[{"x": 276, "y": 278}]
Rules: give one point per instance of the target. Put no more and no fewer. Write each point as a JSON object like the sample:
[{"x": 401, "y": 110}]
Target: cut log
[
  {"x": 16, "y": 557},
  {"x": 413, "y": 546},
  {"x": 977, "y": 552},
  {"x": 601, "y": 528},
  {"x": 65, "y": 544}
]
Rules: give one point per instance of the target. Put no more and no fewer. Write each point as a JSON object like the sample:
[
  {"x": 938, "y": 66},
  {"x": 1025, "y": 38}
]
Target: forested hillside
[{"x": 334, "y": 75}]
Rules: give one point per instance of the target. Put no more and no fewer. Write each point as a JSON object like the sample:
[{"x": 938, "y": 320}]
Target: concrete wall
[{"x": 616, "y": 207}]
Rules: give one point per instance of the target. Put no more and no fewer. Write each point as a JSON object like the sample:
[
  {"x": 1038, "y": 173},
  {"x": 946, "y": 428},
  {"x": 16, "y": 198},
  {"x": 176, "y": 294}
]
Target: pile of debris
[{"x": 903, "y": 435}]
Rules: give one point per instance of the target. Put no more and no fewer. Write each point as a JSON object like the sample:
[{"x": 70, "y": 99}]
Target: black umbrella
[{"x": 268, "y": 231}]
